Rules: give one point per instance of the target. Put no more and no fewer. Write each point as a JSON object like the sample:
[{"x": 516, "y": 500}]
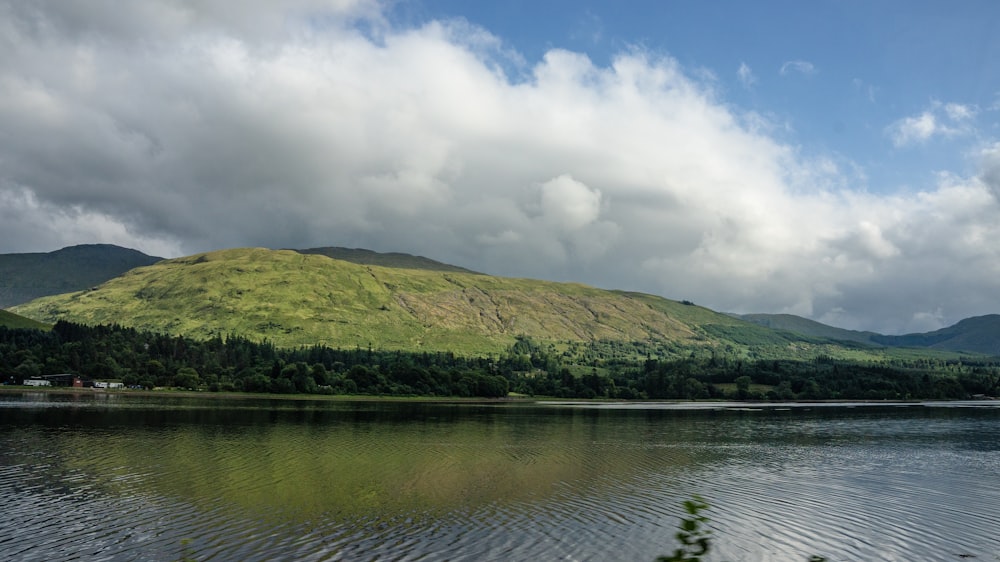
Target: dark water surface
[{"x": 120, "y": 477}]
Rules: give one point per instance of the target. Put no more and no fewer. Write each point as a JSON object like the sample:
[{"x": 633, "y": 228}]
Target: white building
[
  {"x": 36, "y": 382},
  {"x": 109, "y": 384}
]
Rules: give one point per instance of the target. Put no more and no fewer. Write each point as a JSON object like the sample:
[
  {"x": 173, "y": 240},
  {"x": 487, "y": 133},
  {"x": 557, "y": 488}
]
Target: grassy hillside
[
  {"x": 804, "y": 326},
  {"x": 11, "y": 320},
  {"x": 24, "y": 277},
  {"x": 295, "y": 299},
  {"x": 390, "y": 259},
  {"x": 980, "y": 334}
]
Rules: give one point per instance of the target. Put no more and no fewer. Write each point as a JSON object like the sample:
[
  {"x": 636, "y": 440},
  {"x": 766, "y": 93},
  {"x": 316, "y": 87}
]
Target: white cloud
[
  {"x": 192, "y": 131},
  {"x": 568, "y": 204},
  {"x": 746, "y": 75},
  {"x": 916, "y": 129},
  {"x": 959, "y": 112},
  {"x": 805, "y": 68},
  {"x": 940, "y": 120}
]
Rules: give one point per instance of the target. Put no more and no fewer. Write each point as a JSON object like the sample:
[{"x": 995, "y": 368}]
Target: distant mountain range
[
  {"x": 805, "y": 326},
  {"x": 352, "y": 297},
  {"x": 980, "y": 334},
  {"x": 24, "y": 277}
]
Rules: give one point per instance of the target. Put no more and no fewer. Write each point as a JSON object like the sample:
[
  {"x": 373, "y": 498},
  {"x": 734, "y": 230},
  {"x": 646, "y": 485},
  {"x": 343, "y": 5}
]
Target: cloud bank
[{"x": 177, "y": 127}]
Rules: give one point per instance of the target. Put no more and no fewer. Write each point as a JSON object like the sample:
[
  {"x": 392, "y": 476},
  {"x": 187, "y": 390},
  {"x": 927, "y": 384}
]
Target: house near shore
[{"x": 62, "y": 379}]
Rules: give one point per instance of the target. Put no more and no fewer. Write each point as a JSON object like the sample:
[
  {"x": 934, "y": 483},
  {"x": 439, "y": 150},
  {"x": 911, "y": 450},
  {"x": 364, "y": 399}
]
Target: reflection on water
[{"x": 119, "y": 477}]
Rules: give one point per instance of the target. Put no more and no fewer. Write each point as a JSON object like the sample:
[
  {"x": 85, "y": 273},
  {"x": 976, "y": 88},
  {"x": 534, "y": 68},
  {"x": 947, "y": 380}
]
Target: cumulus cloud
[
  {"x": 569, "y": 204},
  {"x": 805, "y": 68},
  {"x": 940, "y": 120},
  {"x": 177, "y": 127}
]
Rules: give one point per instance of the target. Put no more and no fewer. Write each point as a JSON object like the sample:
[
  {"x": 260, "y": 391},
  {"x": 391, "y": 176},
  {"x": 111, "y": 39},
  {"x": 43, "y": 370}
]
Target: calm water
[{"x": 118, "y": 477}]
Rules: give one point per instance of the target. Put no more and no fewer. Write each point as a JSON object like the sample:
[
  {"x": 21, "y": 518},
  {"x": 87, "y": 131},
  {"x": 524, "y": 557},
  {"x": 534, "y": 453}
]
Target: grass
[
  {"x": 11, "y": 320},
  {"x": 293, "y": 299}
]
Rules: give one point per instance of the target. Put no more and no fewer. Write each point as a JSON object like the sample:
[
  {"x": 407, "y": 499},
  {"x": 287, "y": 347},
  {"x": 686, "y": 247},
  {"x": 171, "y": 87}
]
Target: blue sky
[{"x": 835, "y": 160}]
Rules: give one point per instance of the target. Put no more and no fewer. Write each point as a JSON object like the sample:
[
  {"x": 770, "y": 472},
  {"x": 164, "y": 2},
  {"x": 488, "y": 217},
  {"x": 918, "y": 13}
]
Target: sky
[{"x": 839, "y": 160}]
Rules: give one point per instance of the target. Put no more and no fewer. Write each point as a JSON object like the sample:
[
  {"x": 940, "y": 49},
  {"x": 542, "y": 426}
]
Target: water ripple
[{"x": 514, "y": 484}]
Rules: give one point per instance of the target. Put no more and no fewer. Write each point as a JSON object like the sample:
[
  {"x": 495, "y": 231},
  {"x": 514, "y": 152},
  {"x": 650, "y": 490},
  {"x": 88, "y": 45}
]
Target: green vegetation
[
  {"x": 438, "y": 332},
  {"x": 609, "y": 370},
  {"x": 11, "y": 320},
  {"x": 806, "y": 327},
  {"x": 695, "y": 538},
  {"x": 980, "y": 334},
  {"x": 337, "y": 299},
  {"x": 24, "y": 277},
  {"x": 292, "y": 299}
]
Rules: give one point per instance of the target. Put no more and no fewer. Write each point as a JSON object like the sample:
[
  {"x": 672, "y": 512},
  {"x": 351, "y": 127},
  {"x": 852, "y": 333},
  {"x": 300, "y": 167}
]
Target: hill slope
[
  {"x": 808, "y": 327},
  {"x": 980, "y": 334},
  {"x": 295, "y": 299},
  {"x": 11, "y": 320},
  {"x": 24, "y": 277}
]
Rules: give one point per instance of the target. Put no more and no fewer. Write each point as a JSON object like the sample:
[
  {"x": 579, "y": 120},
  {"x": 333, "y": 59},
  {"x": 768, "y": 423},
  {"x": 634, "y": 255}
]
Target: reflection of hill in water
[
  {"x": 404, "y": 458},
  {"x": 271, "y": 479}
]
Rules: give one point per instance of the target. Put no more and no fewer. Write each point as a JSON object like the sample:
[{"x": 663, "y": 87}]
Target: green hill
[
  {"x": 806, "y": 327},
  {"x": 293, "y": 299},
  {"x": 301, "y": 298},
  {"x": 11, "y": 320},
  {"x": 980, "y": 334},
  {"x": 24, "y": 277}
]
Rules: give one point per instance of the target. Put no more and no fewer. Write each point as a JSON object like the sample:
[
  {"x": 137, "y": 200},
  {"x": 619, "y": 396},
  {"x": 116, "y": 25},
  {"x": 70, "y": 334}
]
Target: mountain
[
  {"x": 390, "y": 259},
  {"x": 979, "y": 334},
  {"x": 11, "y": 320},
  {"x": 293, "y": 299},
  {"x": 343, "y": 298},
  {"x": 24, "y": 277},
  {"x": 807, "y": 327}
]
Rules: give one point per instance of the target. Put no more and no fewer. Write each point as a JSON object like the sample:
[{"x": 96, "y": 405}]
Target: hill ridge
[
  {"x": 400, "y": 301},
  {"x": 398, "y": 260},
  {"x": 294, "y": 298},
  {"x": 976, "y": 334},
  {"x": 27, "y": 276}
]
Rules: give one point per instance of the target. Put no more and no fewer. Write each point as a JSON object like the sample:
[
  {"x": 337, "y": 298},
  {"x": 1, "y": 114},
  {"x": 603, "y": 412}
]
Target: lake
[{"x": 113, "y": 476}]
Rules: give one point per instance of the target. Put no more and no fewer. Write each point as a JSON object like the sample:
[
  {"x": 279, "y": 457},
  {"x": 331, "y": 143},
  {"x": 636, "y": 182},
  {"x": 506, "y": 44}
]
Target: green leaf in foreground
[{"x": 695, "y": 538}]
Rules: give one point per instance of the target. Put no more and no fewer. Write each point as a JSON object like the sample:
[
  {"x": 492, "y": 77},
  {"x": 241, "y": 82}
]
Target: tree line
[{"x": 236, "y": 364}]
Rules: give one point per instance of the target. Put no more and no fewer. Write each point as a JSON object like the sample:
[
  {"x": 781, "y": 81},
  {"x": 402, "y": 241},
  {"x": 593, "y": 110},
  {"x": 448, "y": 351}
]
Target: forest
[{"x": 609, "y": 370}]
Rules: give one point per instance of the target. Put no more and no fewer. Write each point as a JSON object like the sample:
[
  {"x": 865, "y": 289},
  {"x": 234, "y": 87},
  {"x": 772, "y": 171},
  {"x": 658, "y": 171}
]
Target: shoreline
[{"x": 223, "y": 396}]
